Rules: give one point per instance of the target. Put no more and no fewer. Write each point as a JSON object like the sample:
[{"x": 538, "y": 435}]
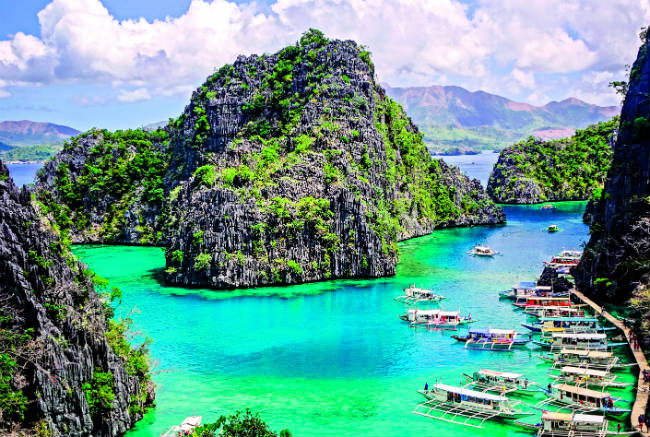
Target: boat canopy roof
[
  {"x": 580, "y": 335},
  {"x": 449, "y": 313},
  {"x": 582, "y": 391},
  {"x": 558, "y": 417},
  {"x": 583, "y": 371},
  {"x": 569, "y": 319},
  {"x": 508, "y": 375},
  {"x": 588, "y": 418},
  {"x": 482, "y": 247},
  {"x": 471, "y": 393},
  {"x": 543, "y": 288},
  {"x": 587, "y": 353},
  {"x": 190, "y": 423}
]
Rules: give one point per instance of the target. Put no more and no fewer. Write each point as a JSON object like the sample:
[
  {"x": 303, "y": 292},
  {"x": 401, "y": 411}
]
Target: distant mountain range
[
  {"x": 455, "y": 120},
  {"x": 29, "y": 133}
]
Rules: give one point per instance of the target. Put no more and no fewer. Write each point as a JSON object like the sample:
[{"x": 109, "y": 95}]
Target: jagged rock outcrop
[
  {"x": 616, "y": 261},
  {"x": 550, "y": 278},
  {"x": 284, "y": 168},
  {"x": 535, "y": 171},
  {"x": 60, "y": 375}
]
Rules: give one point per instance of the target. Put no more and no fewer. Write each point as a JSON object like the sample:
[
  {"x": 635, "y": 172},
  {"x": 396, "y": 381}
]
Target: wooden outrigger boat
[
  {"x": 552, "y": 228},
  {"x": 591, "y": 359},
  {"x": 580, "y": 340},
  {"x": 482, "y": 251},
  {"x": 492, "y": 339},
  {"x": 572, "y": 424},
  {"x": 566, "y": 259},
  {"x": 186, "y": 427},
  {"x": 538, "y": 302},
  {"x": 524, "y": 288},
  {"x": 548, "y": 206},
  {"x": 466, "y": 407},
  {"x": 501, "y": 382},
  {"x": 413, "y": 295},
  {"x": 584, "y": 377},
  {"x": 435, "y": 319},
  {"x": 548, "y": 325},
  {"x": 521, "y": 292},
  {"x": 573, "y": 398},
  {"x": 587, "y": 377},
  {"x": 561, "y": 311},
  {"x": 555, "y": 424}
]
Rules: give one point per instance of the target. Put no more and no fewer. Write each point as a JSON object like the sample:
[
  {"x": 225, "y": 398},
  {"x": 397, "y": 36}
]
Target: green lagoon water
[{"x": 332, "y": 358}]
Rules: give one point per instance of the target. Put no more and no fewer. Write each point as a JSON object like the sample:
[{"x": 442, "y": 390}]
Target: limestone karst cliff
[
  {"x": 283, "y": 168},
  {"x": 66, "y": 368},
  {"x": 616, "y": 262}
]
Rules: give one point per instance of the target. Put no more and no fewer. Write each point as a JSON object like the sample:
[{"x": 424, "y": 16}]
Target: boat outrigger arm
[{"x": 460, "y": 413}]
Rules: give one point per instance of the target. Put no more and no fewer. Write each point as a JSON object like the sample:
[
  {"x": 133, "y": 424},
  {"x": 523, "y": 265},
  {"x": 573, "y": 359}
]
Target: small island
[{"x": 536, "y": 171}]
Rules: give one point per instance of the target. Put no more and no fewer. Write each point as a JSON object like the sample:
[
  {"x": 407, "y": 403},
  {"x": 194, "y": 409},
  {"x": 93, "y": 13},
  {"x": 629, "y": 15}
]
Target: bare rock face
[
  {"x": 53, "y": 342},
  {"x": 283, "y": 168},
  {"x": 616, "y": 262}
]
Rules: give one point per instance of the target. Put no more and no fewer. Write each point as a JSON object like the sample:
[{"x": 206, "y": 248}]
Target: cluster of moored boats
[{"x": 581, "y": 351}]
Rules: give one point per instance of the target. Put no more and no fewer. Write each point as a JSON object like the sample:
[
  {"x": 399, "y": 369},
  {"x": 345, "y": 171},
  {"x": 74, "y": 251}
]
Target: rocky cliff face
[
  {"x": 535, "y": 171},
  {"x": 107, "y": 187},
  {"x": 60, "y": 374},
  {"x": 286, "y": 168},
  {"x": 616, "y": 262}
]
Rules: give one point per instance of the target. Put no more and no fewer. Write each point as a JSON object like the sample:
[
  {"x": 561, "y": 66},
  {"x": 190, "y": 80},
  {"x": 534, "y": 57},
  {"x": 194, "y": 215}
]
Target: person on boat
[
  {"x": 549, "y": 388},
  {"x": 641, "y": 421},
  {"x": 647, "y": 423},
  {"x": 526, "y": 383},
  {"x": 426, "y": 386},
  {"x": 469, "y": 316}
]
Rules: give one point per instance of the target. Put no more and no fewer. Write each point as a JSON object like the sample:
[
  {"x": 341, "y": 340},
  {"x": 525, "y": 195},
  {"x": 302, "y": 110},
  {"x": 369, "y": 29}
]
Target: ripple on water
[{"x": 332, "y": 358}]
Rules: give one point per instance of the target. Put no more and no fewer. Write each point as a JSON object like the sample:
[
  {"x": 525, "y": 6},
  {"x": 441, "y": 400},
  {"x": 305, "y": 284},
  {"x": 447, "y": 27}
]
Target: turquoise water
[{"x": 332, "y": 358}]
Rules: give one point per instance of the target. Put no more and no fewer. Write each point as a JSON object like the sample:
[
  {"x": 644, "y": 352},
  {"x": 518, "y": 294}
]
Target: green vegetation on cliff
[
  {"x": 117, "y": 170},
  {"x": 66, "y": 365},
  {"x": 615, "y": 266},
  {"x": 283, "y": 168},
  {"x": 534, "y": 171}
]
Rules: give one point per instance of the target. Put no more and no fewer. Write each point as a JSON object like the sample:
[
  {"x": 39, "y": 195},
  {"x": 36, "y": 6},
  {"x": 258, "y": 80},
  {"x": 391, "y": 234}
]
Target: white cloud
[
  {"x": 503, "y": 46},
  {"x": 523, "y": 79},
  {"x": 134, "y": 95}
]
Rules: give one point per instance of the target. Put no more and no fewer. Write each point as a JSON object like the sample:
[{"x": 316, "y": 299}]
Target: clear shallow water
[
  {"x": 477, "y": 166},
  {"x": 24, "y": 174},
  {"x": 332, "y": 358}
]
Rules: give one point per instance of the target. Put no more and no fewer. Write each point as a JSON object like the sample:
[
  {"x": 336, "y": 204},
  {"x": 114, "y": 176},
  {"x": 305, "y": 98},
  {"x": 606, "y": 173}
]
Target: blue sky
[{"x": 119, "y": 64}]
